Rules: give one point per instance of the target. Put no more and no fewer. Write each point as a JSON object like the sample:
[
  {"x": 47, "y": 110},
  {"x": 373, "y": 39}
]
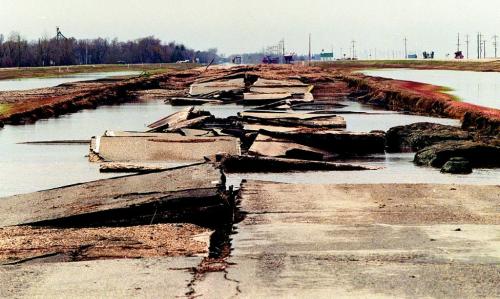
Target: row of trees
[{"x": 16, "y": 51}]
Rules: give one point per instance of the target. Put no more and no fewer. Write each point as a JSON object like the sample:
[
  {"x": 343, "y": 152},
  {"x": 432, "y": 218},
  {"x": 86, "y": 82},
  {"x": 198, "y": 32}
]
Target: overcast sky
[{"x": 235, "y": 26}]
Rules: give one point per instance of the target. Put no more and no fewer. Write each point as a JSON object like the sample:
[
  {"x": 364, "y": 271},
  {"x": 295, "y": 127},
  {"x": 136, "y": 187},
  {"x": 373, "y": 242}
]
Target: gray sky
[{"x": 246, "y": 26}]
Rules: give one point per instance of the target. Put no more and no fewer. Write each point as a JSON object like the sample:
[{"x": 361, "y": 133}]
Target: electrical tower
[{"x": 59, "y": 34}]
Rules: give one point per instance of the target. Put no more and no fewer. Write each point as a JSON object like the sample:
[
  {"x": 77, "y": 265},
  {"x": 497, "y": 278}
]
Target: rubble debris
[
  {"x": 21, "y": 244},
  {"x": 246, "y": 163},
  {"x": 257, "y": 127},
  {"x": 274, "y": 147},
  {"x": 416, "y": 136},
  {"x": 294, "y": 119},
  {"x": 280, "y": 86},
  {"x": 479, "y": 154},
  {"x": 183, "y": 101},
  {"x": 260, "y": 98},
  {"x": 185, "y": 118},
  {"x": 164, "y": 147},
  {"x": 140, "y": 167},
  {"x": 457, "y": 165},
  {"x": 188, "y": 194},
  {"x": 331, "y": 141},
  {"x": 212, "y": 88}
]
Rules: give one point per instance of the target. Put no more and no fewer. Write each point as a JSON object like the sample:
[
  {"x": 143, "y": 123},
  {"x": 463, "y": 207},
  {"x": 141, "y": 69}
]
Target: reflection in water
[
  {"x": 27, "y": 168},
  {"x": 480, "y": 88}
]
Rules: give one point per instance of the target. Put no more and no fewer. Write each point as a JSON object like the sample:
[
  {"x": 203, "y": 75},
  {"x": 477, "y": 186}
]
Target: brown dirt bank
[{"x": 424, "y": 99}]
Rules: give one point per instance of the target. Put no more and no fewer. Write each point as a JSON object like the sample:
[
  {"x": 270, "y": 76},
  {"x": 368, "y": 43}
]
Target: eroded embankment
[
  {"x": 423, "y": 99},
  {"x": 30, "y": 105}
]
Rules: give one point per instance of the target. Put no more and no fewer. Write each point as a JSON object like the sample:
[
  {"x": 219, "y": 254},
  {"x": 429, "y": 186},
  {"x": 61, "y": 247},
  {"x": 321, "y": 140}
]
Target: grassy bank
[
  {"x": 461, "y": 65},
  {"x": 54, "y": 71},
  {"x": 4, "y": 108}
]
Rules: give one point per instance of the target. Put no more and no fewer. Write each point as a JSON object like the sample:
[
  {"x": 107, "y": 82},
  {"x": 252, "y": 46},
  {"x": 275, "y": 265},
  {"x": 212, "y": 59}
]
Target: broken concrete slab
[
  {"x": 25, "y": 244},
  {"x": 294, "y": 119},
  {"x": 257, "y": 127},
  {"x": 139, "y": 167},
  {"x": 185, "y": 118},
  {"x": 273, "y": 147},
  {"x": 148, "y": 198},
  {"x": 280, "y": 86},
  {"x": 183, "y": 101},
  {"x": 165, "y": 147},
  {"x": 203, "y": 88},
  {"x": 245, "y": 164},
  {"x": 339, "y": 142}
]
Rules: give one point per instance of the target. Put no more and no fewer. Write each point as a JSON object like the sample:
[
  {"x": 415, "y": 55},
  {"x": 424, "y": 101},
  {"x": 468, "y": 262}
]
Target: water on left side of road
[
  {"x": 33, "y": 83},
  {"x": 27, "y": 167}
]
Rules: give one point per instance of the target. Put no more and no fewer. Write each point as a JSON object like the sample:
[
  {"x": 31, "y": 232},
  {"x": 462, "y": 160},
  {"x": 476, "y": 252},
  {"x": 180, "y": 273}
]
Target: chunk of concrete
[
  {"x": 337, "y": 142},
  {"x": 163, "y": 147},
  {"x": 147, "y": 198},
  {"x": 246, "y": 164},
  {"x": 274, "y": 147},
  {"x": 317, "y": 120},
  {"x": 202, "y": 88}
]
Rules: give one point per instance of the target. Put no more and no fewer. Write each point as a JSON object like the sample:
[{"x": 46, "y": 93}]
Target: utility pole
[
  {"x": 406, "y": 48},
  {"x": 495, "y": 44},
  {"x": 467, "y": 43},
  {"x": 309, "y": 48},
  {"x": 478, "y": 45},
  {"x": 458, "y": 42},
  {"x": 484, "y": 49},
  {"x": 353, "y": 49}
]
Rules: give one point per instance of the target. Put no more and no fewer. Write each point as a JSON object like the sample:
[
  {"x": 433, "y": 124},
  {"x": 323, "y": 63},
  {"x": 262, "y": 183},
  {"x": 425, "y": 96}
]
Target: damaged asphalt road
[{"x": 175, "y": 228}]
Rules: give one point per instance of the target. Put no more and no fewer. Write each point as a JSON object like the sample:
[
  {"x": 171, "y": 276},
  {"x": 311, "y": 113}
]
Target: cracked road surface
[{"x": 312, "y": 241}]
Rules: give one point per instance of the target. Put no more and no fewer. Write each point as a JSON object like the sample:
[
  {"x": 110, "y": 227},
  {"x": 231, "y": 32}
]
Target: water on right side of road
[{"x": 479, "y": 88}]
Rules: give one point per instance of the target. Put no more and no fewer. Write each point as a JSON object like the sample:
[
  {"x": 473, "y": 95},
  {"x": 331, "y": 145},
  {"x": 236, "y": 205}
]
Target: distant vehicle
[
  {"x": 236, "y": 60},
  {"x": 428, "y": 55},
  {"x": 183, "y": 61},
  {"x": 288, "y": 58},
  {"x": 121, "y": 62},
  {"x": 412, "y": 56},
  {"x": 268, "y": 59},
  {"x": 459, "y": 55}
]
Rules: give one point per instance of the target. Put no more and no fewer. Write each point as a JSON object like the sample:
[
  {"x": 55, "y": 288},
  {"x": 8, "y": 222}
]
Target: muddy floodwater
[
  {"x": 480, "y": 88},
  {"x": 28, "y": 167},
  {"x": 33, "y": 83}
]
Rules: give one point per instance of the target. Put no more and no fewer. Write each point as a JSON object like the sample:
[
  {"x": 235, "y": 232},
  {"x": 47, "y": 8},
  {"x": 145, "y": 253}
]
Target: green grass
[{"x": 4, "y": 108}]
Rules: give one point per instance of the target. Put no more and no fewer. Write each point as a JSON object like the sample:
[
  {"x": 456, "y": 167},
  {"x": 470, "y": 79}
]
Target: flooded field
[
  {"x": 33, "y": 83},
  {"x": 29, "y": 167},
  {"x": 480, "y": 88}
]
